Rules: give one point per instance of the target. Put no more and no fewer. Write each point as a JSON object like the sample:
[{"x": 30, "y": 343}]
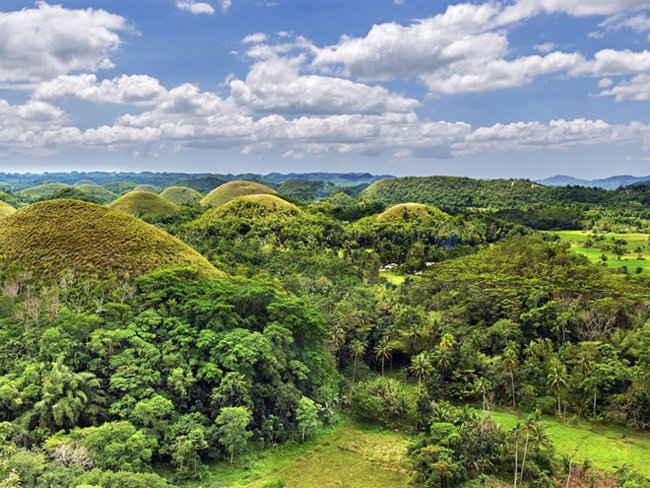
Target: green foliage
[
  {"x": 413, "y": 212},
  {"x": 307, "y": 417},
  {"x": 102, "y": 194},
  {"x": 45, "y": 190},
  {"x": 232, "y": 424},
  {"x": 73, "y": 193},
  {"x": 145, "y": 187}
]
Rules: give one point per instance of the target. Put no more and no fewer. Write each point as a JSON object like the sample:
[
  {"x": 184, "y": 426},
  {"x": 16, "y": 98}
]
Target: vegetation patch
[
  {"x": 99, "y": 192},
  {"x": 45, "y": 190},
  {"x": 144, "y": 203},
  {"x": 50, "y": 239},
  {"x": 147, "y": 187},
  {"x": 181, "y": 195},
  {"x": 413, "y": 212},
  {"x": 233, "y": 189},
  {"x": 6, "y": 209}
]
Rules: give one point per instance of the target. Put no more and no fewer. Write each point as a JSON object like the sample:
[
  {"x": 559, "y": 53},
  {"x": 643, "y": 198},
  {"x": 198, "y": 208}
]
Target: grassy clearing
[
  {"x": 606, "y": 446},
  {"x": 577, "y": 239},
  {"x": 393, "y": 278},
  {"x": 351, "y": 456}
]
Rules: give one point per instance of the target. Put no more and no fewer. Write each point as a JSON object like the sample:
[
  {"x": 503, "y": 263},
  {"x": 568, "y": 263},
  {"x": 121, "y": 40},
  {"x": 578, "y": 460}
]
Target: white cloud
[
  {"x": 636, "y": 89},
  {"x": 139, "y": 90},
  {"x": 256, "y": 38},
  {"x": 546, "y": 47},
  {"x": 523, "y": 9},
  {"x": 276, "y": 85},
  {"x": 611, "y": 62},
  {"x": 225, "y": 5},
  {"x": 49, "y": 40},
  {"x": 196, "y": 8}
]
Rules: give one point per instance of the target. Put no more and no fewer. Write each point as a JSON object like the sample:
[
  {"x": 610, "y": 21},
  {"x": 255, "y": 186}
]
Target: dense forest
[{"x": 158, "y": 330}]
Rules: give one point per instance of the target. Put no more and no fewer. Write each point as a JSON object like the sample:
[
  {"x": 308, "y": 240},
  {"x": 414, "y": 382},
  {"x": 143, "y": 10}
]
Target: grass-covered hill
[
  {"x": 85, "y": 182},
  {"x": 147, "y": 187},
  {"x": 45, "y": 190},
  {"x": 144, "y": 203},
  {"x": 52, "y": 238},
  {"x": 6, "y": 209},
  {"x": 451, "y": 192},
  {"x": 181, "y": 195},
  {"x": 413, "y": 212},
  {"x": 233, "y": 189},
  {"x": 306, "y": 190},
  {"x": 99, "y": 192}
]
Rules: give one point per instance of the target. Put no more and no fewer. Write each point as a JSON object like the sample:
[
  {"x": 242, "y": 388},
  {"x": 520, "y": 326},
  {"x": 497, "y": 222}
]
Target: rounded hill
[
  {"x": 104, "y": 195},
  {"x": 57, "y": 237},
  {"x": 181, "y": 195},
  {"x": 252, "y": 207},
  {"x": 412, "y": 213},
  {"x": 45, "y": 190},
  {"x": 233, "y": 189},
  {"x": 6, "y": 209},
  {"x": 85, "y": 182},
  {"x": 144, "y": 203},
  {"x": 149, "y": 188}
]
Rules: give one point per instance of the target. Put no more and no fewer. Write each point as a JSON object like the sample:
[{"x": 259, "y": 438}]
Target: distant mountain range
[{"x": 610, "y": 183}]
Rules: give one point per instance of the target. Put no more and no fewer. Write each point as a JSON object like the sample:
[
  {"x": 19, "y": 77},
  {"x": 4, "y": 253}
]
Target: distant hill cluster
[{"x": 610, "y": 183}]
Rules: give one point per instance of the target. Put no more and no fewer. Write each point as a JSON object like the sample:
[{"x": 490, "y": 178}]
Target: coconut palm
[
  {"x": 358, "y": 349},
  {"x": 557, "y": 382},
  {"x": 509, "y": 362},
  {"x": 66, "y": 396},
  {"x": 421, "y": 366},
  {"x": 383, "y": 351}
]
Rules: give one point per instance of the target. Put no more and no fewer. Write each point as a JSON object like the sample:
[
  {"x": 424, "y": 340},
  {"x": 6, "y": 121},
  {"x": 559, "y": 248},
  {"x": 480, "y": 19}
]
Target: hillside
[
  {"x": 44, "y": 190},
  {"x": 146, "y": 187},
  {"x": 6, "y": 209},
  {"x": 609, "y": 183},
  {"x": 412, "y": 212},
  {"x": 233, "y": 189},
  {"x": 104, "y": 195},
  {"x": 251, "y": 207},
  {"x": 180, "y": 195},
  {"x": 144, "y": 203},
  {"x": 51, "y": 238}
]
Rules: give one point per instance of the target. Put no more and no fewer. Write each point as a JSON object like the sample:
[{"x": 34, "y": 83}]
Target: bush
[{"x": 547, "y": 405}]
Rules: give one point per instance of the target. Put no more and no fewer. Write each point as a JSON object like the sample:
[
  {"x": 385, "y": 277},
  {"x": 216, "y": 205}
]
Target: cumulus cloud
[
  {"x": 196, "y": 8},
  {"x": 276, "y": 85},
  {"x": 636, "y": 89},
  {"x": 256, "y": 38},
  {"x": 140, "y": 90},
  {"x": 41, "y": 43},
  {"x": 523, "y": 9}
]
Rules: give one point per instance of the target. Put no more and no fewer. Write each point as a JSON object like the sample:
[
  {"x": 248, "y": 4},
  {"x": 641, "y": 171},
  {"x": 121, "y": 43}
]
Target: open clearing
[
  {"x": 351, "y": 456},
  {"x": 577, "y": 238},
  {"x": 606, "y": 446}
]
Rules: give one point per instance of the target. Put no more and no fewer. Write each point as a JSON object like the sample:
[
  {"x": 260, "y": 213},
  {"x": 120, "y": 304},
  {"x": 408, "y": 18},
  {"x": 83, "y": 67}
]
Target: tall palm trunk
[
  {"x": 523, "y": 462},
  {"x": 516, "y": 461},
  {"x": 512, "y": 382}
]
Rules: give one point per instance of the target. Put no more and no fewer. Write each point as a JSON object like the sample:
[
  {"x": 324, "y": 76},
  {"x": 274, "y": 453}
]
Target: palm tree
[
  {"x": 557, "y": 382},
  {"x": 358, "y": 349},
  {"x": 420, "y": 366},
  {"x": 383, "y": 351},
  {"x": 482, "y": 386},
  {"x": 509, "y": 363},
  {"x": 66, "y": 395},
  {"x": 443, "y": 360},
  {"x": 515, "y": 438},
  {"x": 532, "y": 427}
]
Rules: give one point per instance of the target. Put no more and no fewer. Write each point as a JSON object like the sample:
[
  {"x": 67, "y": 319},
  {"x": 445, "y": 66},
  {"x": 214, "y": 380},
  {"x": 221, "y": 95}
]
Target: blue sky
[{"x": 524, "y": 88}]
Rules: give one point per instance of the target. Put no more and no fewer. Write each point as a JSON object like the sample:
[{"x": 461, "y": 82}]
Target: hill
[
  {"x": 54, "y": 237},
  {"x": 251, "y": 207},
  {"x": 181, "y": 195},
  {"x": 144, "y": 203},
  {"x": 6, "y": 209},
  {"x": 412, "y": 212},
  {"x": 233, "y": 189},
  {"x": 45, "y": 190},
  {"x": 101, "y": 193},
  {"x": 84, "y": 182},
  {"x": 306, "y": 190},
  {"x": 149, "y": 188},
  {"x": 610, "y": 183}
]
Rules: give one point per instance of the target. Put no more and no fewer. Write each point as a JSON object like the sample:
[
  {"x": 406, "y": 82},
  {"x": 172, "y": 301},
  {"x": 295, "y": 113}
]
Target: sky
[{"x": 500, "y": 88}]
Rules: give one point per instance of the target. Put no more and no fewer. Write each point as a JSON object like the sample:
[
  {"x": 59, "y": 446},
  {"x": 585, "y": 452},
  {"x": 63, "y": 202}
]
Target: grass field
[
  {"x": 630, "y": 259},
  {"x": 350, "y": 456},
  {"x": 605, "y": 446}
]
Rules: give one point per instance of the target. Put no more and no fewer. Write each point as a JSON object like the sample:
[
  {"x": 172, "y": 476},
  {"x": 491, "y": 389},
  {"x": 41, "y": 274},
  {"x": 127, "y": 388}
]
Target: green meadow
[
  {"x": 352, "y": 455},
  {"x": 606, "y": 446},
  {"x": 630, "y": 259}
]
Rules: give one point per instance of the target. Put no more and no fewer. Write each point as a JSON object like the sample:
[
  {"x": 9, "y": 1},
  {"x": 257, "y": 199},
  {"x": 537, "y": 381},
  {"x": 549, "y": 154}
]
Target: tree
[
  {"x": 307, "y": 417},
  {"x": 358, "y": 349},
  {"x": 383, "y": 351},
  {"x": 232, "y": 424},
  {"x": 421, "y": 366},
  {"x": 557, "y": 382},
  {"x": 483, "y": 386},
  {"x": 66, "y": 396},
  {"x": 509, "y": 363},
  {"x": 443, "y": 360}
]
